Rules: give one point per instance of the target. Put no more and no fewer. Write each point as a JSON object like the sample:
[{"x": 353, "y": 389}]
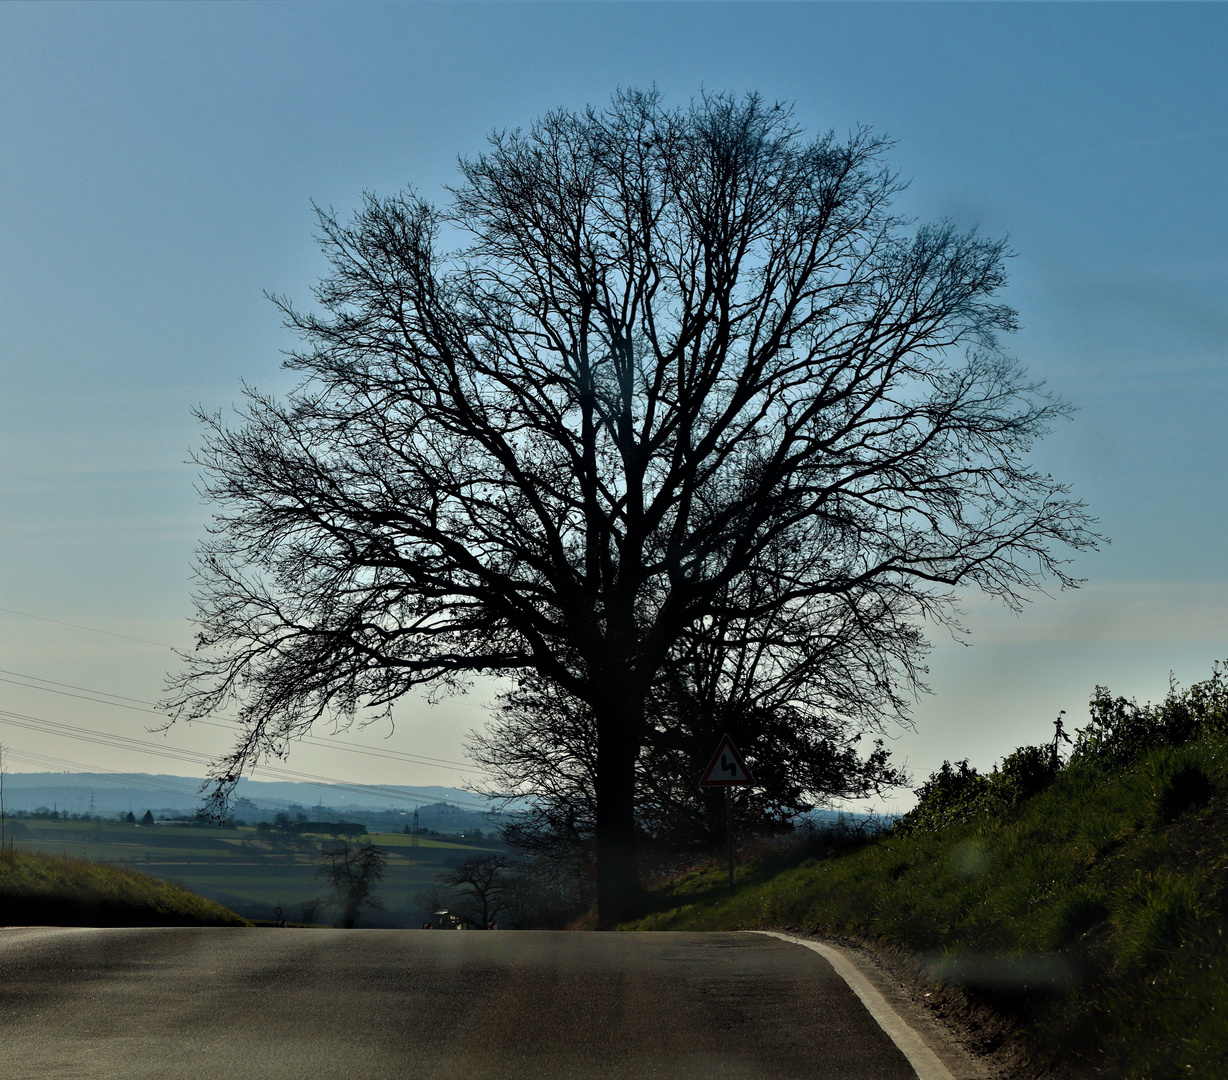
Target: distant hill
[
  {"x": 442, "y": 809},
  {"x": 107, "y": 794}
]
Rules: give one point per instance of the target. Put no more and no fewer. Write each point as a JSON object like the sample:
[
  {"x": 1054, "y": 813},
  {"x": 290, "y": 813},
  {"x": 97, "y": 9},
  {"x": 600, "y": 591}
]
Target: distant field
[{"x": 231, "y": 866}]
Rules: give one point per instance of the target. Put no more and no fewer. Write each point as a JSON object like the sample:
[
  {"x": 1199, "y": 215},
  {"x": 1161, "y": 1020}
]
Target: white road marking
[{"x": 925, "y": 1063}]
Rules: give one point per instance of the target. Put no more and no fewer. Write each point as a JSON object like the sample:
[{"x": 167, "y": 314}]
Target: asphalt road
[{"x": 267, "y": 1004}]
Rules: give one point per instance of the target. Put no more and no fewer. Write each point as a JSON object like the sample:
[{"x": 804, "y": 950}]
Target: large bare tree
[{"x": 645, "y": 361}]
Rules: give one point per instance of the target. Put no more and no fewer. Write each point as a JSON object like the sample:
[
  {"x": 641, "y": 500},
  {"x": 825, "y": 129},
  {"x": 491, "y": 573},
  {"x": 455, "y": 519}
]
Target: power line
[
  {"x": 123, "y": 742},
  {"x": 140, "y": 781},
  {"x": 79, "y": 697},
  {"x": 161, "y": 645},
  {"x": 388, "y": 754},
  {"x": 60, "y": 765},
  {"x": 71, "y": 686},
  {"x": 91, "y": 629}
]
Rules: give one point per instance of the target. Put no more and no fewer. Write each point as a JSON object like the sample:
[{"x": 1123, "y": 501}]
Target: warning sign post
[{"x": 727, "y": 769}]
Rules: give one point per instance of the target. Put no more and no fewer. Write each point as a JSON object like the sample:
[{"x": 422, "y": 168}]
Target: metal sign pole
[{"x": 729, "y": 832}]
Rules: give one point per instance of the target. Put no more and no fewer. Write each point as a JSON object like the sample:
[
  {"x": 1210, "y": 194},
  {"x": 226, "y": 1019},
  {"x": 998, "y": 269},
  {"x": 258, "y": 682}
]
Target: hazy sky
[{"x": 157, "y": 164}]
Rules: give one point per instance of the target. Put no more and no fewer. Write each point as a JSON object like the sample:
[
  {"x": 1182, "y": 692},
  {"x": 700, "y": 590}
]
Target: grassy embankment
[
  {"x": 37, "y": 889},
  {"x": 1086, "y": 901}
]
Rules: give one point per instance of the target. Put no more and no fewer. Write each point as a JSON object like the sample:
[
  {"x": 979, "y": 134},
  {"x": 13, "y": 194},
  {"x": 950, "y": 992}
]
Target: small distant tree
[
  {"x": 130, "y": 818},
  {"x": 351, "y": 873},
  {"x": 482, "y": 885},
  {"x": 148, "y": 818}
]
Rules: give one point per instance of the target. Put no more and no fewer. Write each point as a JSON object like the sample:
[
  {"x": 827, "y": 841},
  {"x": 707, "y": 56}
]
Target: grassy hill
[
  {"x": 37, "y": 889},
  {"x": 1086, "y": 899}
]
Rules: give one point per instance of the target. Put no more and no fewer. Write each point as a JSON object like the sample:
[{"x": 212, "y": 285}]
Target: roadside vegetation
[
  {"x": 1083, "y": 895},
  {"x": 37, "y": 889}
]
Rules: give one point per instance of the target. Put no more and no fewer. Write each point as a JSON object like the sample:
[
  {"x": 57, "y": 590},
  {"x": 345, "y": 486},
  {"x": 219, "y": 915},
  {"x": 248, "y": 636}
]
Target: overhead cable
[
  {"x": 123, "y": 742},
  {"x": 223, "y": 722}
]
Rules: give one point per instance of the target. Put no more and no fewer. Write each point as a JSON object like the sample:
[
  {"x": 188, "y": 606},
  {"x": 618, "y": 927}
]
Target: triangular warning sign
[{"x": 726, "y": 769}]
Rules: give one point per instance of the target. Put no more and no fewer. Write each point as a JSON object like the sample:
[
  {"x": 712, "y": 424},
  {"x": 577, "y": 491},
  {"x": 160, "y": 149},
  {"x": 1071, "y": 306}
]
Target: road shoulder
[{"x": 960, "y": 1042}]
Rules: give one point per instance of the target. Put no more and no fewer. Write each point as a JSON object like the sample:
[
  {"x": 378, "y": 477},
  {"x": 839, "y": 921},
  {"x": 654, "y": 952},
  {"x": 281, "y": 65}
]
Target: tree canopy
[{"x": 655, "y": 381}]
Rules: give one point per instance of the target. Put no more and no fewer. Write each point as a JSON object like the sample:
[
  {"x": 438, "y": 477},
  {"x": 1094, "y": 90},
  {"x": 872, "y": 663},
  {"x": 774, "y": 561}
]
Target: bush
[
  {"x": 1027, "y": 772},
  {"x": 958, "y": 793},
  {"x": 953, "y": 794},
  {"x": 1121, "y": 731}
]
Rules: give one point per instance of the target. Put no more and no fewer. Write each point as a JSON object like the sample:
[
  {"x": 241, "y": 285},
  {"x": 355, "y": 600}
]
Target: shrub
[
  {"x": 958, "y": 793},
  {"x": 953, "y": 794},
  {"x": 1121, "y": 731},
  {"x": 1026, "y": 772}
]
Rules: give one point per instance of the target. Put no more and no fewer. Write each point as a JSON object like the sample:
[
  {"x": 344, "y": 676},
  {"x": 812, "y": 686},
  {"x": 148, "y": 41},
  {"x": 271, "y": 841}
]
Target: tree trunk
[{"x": 618, "y": 876}]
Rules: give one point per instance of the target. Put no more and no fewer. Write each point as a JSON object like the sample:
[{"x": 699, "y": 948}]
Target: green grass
[
  {"x": 231, "y": 866},
  {"x": 56, "y": 890},
  {"x": 1103, "y": 898}
]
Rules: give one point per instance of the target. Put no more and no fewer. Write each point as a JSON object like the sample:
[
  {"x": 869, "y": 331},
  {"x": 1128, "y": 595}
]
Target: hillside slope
[
  {"x": 1087, "y": 900},
  {"x": 52, "y": 890}
]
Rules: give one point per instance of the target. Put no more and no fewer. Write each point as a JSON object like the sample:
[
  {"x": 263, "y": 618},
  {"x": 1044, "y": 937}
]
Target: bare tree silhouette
[
  {"x": 684, "y": 367},
  {"x": 351, "y": 872},
  {"x": 482, "y": 884}
]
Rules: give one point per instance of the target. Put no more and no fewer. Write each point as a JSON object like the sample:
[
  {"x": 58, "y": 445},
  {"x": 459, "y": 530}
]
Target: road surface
[{"x": 268, "y": 1004}]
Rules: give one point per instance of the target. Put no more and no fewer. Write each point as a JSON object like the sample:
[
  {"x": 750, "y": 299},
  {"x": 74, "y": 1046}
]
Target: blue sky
[{"x": 157, "y": 164}]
